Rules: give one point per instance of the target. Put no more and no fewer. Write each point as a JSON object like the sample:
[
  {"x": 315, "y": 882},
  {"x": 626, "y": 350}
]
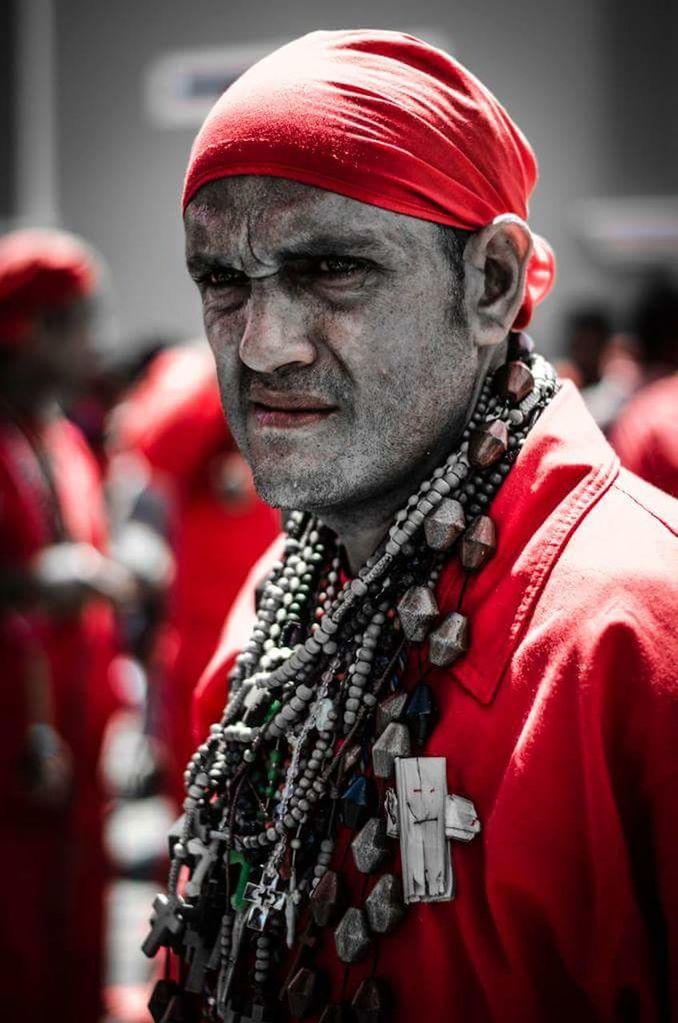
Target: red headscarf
[
  {"x": 381, "y": 117},
  {"x": 40, "y": 270}
]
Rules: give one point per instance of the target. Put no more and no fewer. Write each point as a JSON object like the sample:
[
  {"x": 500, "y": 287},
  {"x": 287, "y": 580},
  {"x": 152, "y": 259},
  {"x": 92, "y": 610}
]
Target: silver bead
[
  {"x": 384, "y": 905},
  {"x": 418, "y": 611},
  {"x": 369, "y": 846},
  {"x": 449, "y": 640},
  {"x": 392, "y": 743},
  {"x": 351, "y": 936}
]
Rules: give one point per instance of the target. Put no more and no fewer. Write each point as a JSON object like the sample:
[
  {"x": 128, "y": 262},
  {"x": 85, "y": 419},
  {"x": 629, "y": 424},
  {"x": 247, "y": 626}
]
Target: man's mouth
[{"x": 282, "y": 410}]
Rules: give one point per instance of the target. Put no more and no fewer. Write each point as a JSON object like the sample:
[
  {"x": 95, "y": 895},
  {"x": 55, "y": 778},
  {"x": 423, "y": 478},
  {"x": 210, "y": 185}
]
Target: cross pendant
[
  {"x": 263, "y": 898},
  {"x": 426, "y": 819},
  {"x": 166, "y": 925}
]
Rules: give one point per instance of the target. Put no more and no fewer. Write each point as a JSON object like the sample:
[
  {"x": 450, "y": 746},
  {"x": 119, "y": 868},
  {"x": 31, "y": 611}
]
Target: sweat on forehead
[{"x": 383, "y": 118}]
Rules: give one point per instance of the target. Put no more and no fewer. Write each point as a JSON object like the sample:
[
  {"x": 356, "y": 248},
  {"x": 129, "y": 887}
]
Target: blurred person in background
[
  {"x": 198, "y": 494},
  {"x": 646, "y": 433},
  {"x": 602, "y": 364},
  {"x": 58, "y": 636}
]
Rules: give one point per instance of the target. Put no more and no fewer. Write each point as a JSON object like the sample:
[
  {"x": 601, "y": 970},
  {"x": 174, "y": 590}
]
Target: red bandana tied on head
[
  {"x": 384, "y": 118},
  {"x": 40, "y": 270}
]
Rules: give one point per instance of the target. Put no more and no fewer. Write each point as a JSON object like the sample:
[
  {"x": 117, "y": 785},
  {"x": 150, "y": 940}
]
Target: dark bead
[
  {"x": 327, "y": 899},
  {"x": 302, "y": 991},
  {"x": 520, "y": 345},
  {"x": 369, "y": 1002},
  {"x": 369, "y": 847},
  {"x": 420, "y": 714},
  {"x": 488, "y": 443},
  {"x": 358, "y": 803},
  {"x": 478, "y": 543},
  {"x": 161, "y": 996},
  {"x": 337, "y": 1012},
  {"x": 513, "y": 381}
]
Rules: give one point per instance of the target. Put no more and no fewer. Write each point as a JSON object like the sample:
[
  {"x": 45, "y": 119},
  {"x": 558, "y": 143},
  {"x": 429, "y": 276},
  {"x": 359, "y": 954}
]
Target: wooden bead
[
  {"x": 393, "y": 742},
  {"x": 520, "y": 345},
  {"x": 514, "y": 381},
  {"x": 384, "y": 905},
  {"x": 478, "y": 543},
  {"x": 449, "y": 641},
  {"x": 389, "y": 710},
  {"x": 444, "y": 525},
  {"x": 488, "y": 443}
]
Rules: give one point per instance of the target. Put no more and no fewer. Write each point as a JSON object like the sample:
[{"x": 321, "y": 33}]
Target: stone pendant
[
  {"x": 302, "y": 992},
  {"x": 418, "y": 611},
  {"x": 358, "y": 802},
  {"x": 478, "y": 543},
  {"x": 327, "y": 899},
  {"x": 449, "y": 640},
  {"x": 352, "y": 936},
  {"x": 369, "y": 1002},
  {"x": 420, "y": 713},
  {"x": 389, "y": 710},
  {"x": 393, "y": 742},
  {"x": 513, "y": 382},
  {"x": 384, "y": 905},
  {"x": 369, "y": 846},
  {"x": 444, "y": 524}
]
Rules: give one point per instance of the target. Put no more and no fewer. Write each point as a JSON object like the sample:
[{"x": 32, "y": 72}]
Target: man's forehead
[{"x": 279, "y": 212}]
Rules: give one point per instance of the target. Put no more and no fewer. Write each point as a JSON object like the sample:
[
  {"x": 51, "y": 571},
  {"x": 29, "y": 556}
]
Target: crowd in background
[{"x": 128, "y": 522}]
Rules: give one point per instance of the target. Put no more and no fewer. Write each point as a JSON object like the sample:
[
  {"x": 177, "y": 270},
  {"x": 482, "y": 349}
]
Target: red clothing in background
[
  {"x": 646, "y": 434},
  {"x": 51, "y": 929},
  {"x": 561, "y": 724},
  {"x": 219, "y": 527}
]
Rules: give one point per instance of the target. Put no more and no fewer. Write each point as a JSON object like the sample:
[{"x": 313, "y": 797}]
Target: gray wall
[{"x": 569, "y": 71}]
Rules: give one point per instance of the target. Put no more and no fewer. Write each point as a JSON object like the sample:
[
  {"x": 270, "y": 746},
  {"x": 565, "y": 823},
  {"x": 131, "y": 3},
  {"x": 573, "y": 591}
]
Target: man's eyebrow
[
  {"x": 201, "y": 261},
  {"x": 334, "y": 245}
]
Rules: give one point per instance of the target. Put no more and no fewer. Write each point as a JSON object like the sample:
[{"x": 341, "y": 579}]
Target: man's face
[{"x": 344, "y": 366}]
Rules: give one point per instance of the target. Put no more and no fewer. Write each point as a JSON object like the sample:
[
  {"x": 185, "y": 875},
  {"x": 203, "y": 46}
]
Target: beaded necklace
[{"x": 317, "y": 689}]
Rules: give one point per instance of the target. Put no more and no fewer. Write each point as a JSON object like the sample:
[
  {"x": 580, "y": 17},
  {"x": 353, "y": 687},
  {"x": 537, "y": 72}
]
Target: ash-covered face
[{"x": 344, "y": 364}]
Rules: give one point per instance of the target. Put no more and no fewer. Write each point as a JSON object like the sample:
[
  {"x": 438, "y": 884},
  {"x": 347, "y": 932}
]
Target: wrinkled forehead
[{"x": 269, "y": 214}]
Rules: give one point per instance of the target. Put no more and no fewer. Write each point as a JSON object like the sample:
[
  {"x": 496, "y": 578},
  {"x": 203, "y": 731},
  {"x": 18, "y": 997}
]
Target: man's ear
[{"x": 496, "y": 259}]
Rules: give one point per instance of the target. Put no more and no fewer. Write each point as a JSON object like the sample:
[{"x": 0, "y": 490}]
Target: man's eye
[
  {"x": 222, "y": 279},
  {"x": 337, "y": 266}
]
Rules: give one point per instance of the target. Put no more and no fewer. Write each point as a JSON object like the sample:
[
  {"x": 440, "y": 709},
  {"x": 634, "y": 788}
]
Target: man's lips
[{"x": 284, "y": 410}]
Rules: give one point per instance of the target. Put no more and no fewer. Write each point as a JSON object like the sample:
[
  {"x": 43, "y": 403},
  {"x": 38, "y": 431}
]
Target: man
[
  {"x": 468, "y": 642},
  {"x": 57, "y": 637}
]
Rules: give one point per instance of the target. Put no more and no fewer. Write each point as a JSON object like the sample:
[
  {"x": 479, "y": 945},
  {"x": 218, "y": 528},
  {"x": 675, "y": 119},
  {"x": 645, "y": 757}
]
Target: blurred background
[{"x": 99, "y": 103}]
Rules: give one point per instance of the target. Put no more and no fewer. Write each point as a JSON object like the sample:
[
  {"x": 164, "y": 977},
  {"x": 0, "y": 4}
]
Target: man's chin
[{"x": 308, "y": 489}]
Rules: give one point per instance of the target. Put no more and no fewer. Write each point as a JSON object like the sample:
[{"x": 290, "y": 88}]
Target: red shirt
[
  {"x": 646, "y": 434},
  {"x": 561, "y": 724}
]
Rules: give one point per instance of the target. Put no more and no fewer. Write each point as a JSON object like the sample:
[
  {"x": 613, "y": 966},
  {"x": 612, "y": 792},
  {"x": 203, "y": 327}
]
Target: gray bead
[
  {"x": 449, "y": 641},
  {"x": 418, "y": 611},
  {"x": 384, "y": 905},
  {"x": 369, "y": 846},
  {"x": 393, "y": 742},
  {"x": 444, "y": 525},
  {"x": 351, "y": 936}
]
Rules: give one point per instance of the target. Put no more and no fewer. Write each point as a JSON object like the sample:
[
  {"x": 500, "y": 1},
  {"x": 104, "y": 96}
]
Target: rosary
[{"x": 318, "y": 730}]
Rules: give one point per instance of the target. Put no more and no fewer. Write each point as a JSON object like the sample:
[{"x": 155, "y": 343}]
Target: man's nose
[{"x": 277, "y": 331}]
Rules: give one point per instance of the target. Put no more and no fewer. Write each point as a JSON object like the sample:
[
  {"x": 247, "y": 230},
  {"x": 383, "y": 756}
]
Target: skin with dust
[{"x": 344, "y": 363}]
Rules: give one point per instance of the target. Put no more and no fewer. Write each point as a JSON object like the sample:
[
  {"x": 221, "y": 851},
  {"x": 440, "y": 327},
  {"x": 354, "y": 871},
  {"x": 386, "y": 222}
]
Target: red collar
[{"x": 564, "y": 468}]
